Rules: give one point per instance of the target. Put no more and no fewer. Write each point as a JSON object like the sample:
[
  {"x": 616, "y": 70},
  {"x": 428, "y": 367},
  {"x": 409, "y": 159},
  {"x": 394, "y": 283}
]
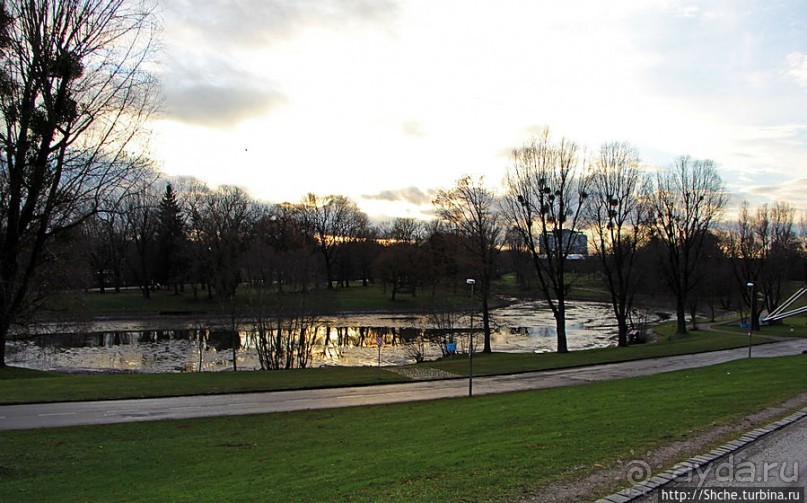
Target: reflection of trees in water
[
  {"x": 289, "y": 342},
  {"x": 206, "y": 345},
  {"x": 283, "y": 340}
]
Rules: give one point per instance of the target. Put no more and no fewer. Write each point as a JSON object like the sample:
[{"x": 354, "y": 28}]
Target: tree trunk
[
  {"x": 5, "y": 324},
  {"x": 560, "y": 326},
  {"x": 486, "y": 323},
  {"x": 622, "y": 323},
  {"x": 754, "y": 311},
  {"x": 680, "y": 316}
]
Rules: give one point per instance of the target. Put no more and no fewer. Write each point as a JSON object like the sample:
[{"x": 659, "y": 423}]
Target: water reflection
[{"x": 345, "y": 340}]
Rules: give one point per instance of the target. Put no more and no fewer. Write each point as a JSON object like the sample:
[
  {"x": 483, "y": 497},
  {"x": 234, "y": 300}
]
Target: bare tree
[
  {"x": 685, "y": 202},
  {"x": 140, "y": 212},
  {"x": 802, "y": 243},
  {"x": 332, "y": 220},
  {"x": 406, "y": 230},
  {"x": 545, "y": 202},
  {"x": 782, "y": 254},
  {"x": 470, "y": 209},
  {"x": 74, "y": 92},
  {"x": 747, "y": 242},
  {"x": 294, "y": 252},
  {"x": 401, "y": 262},
  {"x": 222, "y": 224},
  {"x": 619, "y": 220},
  {"x": 222, "y": 221},
  {"x": 104, "y": 236}
]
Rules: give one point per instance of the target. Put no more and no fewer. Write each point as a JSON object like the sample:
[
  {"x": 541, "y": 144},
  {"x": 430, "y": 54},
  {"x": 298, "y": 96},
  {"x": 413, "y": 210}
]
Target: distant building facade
[{"x": 576, "y": 241}]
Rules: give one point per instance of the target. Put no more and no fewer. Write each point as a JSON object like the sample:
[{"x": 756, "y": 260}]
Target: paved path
[
  {"x": 775, "y": 462},
  {"x": 119, "y": 411}
]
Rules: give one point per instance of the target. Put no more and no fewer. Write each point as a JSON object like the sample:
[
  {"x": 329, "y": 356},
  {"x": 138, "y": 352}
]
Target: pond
[{"x": 187, "y": 345}]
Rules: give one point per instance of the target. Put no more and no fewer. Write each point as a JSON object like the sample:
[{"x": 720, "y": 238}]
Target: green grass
[
  {"x": 490, "y": 448},
  {"x": 8, "y": 373},
  {"x": 508, "y": 363},
  {"x": 582, "y": 286},
  {"x": 377, "y": 298},
  {"x": 18, "y": 386},
  {"x": 795, "y": 326},
  {"x": 355, "y": 297},
  {"x": 133, "y": 302}
]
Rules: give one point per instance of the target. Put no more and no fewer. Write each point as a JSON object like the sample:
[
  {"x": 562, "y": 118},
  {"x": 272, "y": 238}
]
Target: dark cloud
[
  {"x": 205, "y": 85},
  {"x": 218, "y": 105},
  {"x": 411, "y": 195},
  {"x": 261, "y": 21},
  {"x": 213, "y": 92}
]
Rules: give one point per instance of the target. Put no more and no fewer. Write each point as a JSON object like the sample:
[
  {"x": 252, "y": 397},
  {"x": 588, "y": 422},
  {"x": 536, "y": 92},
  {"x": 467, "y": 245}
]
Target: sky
[{"x": 388, "y": 101}]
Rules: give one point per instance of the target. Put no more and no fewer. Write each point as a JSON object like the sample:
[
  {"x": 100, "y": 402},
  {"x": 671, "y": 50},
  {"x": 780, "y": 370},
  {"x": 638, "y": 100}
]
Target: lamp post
[
  {"x": 751, "y": 318},
  {"x": 472, "y": 282}
]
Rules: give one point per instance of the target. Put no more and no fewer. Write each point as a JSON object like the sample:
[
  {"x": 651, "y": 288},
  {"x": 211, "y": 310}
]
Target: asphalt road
[
  {"x": 15, "y": 417},
  {"x": 776, "y": 461}
]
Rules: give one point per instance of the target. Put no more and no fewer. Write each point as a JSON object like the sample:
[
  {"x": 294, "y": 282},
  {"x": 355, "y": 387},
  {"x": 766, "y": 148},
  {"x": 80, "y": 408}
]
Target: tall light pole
[
  {"x": 751, "y": 318},
  {"x": 471, "y": 282}
]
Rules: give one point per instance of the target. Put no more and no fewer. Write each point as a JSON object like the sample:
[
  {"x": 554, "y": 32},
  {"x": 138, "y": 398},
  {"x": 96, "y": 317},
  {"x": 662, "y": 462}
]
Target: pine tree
[{"x": 171, "y": 241}]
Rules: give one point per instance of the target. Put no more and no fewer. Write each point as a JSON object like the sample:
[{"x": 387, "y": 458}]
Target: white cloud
[
  {"x": 797, "y": 67},
  {"x": 352, "y": 97},
  {"x": 412, "y": 195},
  {"x": 238, "y": 24}
]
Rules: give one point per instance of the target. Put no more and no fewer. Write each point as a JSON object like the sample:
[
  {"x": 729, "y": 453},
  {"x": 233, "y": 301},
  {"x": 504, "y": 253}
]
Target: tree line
[
  {"x": 76, "y": 90},
  {"x": 647, "y": 231}
]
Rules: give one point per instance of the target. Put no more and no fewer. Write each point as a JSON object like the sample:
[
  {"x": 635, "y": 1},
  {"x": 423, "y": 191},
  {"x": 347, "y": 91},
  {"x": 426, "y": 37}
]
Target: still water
[{"x": 185, "y": 345}]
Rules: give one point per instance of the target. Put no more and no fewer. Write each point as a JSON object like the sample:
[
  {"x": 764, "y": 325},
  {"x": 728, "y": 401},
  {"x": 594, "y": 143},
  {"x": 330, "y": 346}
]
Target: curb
[{"x": 694, "y": 463}]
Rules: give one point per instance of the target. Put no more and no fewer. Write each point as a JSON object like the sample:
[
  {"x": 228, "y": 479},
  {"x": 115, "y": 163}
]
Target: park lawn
[
  {"x": 486, "y": 448},
  {"x": 356, "y": 297},
  {"x": 133, "y": 302},
  {"x": 671, "y": 345},
  {"x": 18, "y": 386},
  {"x": 32, "y": 387},
  {"x": 378, "y": 298},
  {"x": 795, "y": 326}
]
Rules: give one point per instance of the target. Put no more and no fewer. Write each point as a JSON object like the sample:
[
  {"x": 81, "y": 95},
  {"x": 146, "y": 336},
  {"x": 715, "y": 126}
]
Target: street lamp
[
  {"x": 751, "y": 320},
  {"x": 471, "y": 282}
]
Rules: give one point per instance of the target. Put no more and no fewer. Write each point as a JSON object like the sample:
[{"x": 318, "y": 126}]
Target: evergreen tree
[{"x": 171, "y": 241}]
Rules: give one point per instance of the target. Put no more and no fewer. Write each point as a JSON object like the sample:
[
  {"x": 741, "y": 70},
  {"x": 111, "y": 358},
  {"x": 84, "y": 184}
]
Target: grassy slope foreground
[{"x": 485, "y": 448}]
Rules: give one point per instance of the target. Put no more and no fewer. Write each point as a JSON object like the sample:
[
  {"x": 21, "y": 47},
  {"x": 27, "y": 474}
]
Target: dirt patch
[{"x": 607, "y": 480}]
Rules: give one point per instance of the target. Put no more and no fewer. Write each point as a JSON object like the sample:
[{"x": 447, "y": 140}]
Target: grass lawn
[
  {"x": 508, "y": 363},
  {"x": 356, "y": 297},
  {"x": 795, "y": 326},
  {"x": 489, "y": 448},
  {"x": 19, "y": 386},
  {"x": 32, "y": 386}
]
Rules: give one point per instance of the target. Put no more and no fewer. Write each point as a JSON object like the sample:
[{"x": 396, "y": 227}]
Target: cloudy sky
[{"x": 386, "y": 101}]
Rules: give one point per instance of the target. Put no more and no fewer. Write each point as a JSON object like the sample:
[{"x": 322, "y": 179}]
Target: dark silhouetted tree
[
  {"x": 471, "y": 211},
  {"x": 545, "y": 202},
  {"x": 619, "y": 222},
  {"x": 171, "y": 250},
  {"x": 685, "y": 202},
  {"x": 74, "y": 92}
]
